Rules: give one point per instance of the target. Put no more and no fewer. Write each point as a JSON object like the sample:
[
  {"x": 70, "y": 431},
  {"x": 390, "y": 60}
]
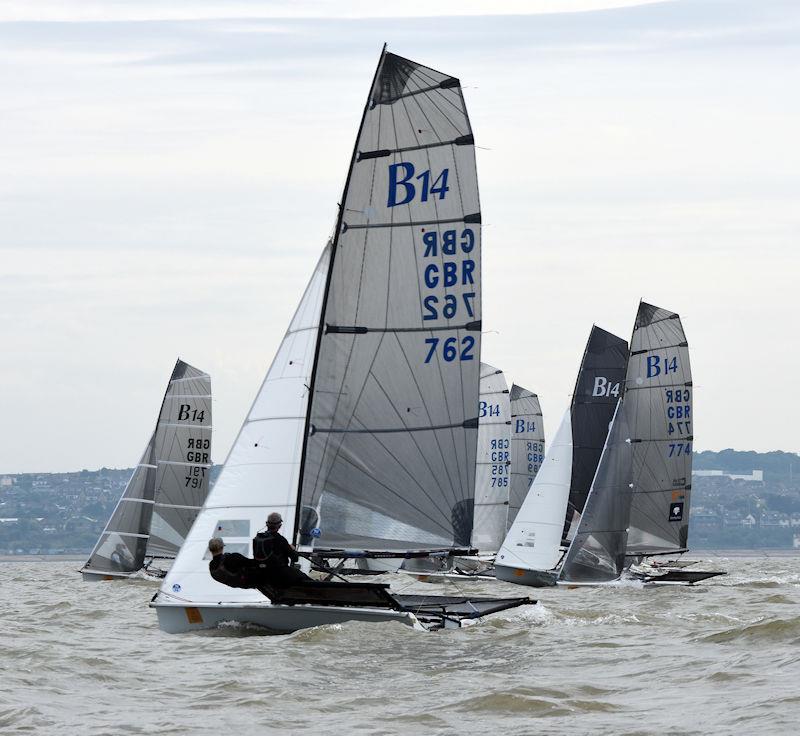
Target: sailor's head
[
  {"x": 274, "y": 521},
  {"x": 215, "y": 546}
]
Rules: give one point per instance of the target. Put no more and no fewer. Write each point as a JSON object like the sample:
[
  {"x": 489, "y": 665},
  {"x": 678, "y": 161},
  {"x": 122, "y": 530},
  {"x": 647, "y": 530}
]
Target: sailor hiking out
[{"x": 231, "y": 568}]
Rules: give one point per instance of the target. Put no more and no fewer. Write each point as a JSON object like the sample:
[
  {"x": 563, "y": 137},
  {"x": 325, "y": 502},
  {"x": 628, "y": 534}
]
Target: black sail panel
[
  {"x": 600, "y": 384},
  {"x": 392, "y": 417}
]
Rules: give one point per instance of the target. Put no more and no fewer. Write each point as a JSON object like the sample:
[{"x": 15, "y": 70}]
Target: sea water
[{"x": 719, "y": 658}]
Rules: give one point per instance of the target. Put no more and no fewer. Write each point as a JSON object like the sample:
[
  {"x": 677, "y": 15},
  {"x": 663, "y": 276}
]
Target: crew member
[
  {"x": 274, "y": 555},
  {"x": 230, "y": 568}
]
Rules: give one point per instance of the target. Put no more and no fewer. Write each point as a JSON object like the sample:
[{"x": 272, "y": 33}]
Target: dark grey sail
[
  {"x": 122, "y": 546},
  {"x": 527, "y": 446},
  {"x": 598, "y": 388},
  {"x": 597, "y": 553},
  {"x": 183, "y": 459},
  {"x": 659, "y": 398},
  {"x": 392, "y": 427},
  {"x": 168, "y": 485}
]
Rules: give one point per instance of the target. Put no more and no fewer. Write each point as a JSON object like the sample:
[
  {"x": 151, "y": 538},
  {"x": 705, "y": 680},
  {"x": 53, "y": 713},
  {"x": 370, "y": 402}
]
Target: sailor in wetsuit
[
  {"x": 230, "y": 568},
  {"x": 273, "y": 554}
]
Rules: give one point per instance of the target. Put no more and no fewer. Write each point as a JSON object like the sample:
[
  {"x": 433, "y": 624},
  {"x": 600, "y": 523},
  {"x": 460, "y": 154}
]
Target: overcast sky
[{"x": 170, "y": 172}]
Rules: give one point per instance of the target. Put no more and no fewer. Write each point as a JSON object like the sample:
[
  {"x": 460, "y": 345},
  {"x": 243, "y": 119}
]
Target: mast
[{"x": 333, "y": 247}]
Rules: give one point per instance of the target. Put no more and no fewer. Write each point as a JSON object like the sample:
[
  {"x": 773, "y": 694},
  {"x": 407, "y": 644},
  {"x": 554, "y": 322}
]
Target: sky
[{"x": 170, "y": 173}]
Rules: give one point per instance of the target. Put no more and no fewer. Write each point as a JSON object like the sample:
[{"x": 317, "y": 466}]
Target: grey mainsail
[
  {"x": 527, "y": 446},
  {"x": 392, "y": 423},
  {"x": 659, "y": 398},
  {"x": 599, "y": 386},
  {"x": 168, "y": 485},
  {"x": 597, "y": 552},
  {"x": 122, "y": 545},
  {"x": 183, "y": 459},
  {"x": 493, "y": 461}
]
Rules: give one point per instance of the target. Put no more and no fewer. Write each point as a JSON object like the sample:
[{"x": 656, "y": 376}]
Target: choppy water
[{"x": 722, "y": 658}]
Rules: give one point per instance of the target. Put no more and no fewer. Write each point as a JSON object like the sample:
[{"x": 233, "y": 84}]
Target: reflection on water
[{"x": 719, "y": 658}]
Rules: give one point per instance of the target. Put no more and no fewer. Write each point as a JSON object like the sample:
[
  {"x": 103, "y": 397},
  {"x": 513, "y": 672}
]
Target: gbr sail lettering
[
  {"x": 500, "y": 460},
  {"x": 448, "y": 267}
]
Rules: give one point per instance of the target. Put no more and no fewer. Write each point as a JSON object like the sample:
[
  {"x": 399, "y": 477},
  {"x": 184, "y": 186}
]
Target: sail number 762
[{"x": 450, "y": 348}]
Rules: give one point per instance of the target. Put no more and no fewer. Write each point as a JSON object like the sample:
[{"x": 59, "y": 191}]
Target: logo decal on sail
[{"x": 676, "y": 511}]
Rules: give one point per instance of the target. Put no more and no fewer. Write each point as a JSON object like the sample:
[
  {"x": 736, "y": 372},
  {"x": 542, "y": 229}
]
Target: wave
[{"x": 776, "y": 630}]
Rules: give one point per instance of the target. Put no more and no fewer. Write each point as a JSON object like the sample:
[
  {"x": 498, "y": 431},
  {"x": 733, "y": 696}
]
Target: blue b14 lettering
[
  {"x": 402, "y": 182},
  {"x": 656, "y": 365}
]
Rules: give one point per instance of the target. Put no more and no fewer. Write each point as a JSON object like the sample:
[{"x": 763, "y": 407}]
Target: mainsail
[
  {"x": 527, "y": 446},
  {"x": 659, "y": 397},
  {"x": 364, "y": 431},
  {"x": 493, "y": 461},
  {"x": 168, "y": 485},
  {"x": 183, "y": 459},
  {"x": 392, "y": 424},
  {"x": 600, "y": 384}
]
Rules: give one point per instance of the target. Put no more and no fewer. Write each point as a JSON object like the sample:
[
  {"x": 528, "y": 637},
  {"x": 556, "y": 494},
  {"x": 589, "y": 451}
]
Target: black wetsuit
[
  {"x": 273, "y": 555},
  {"x": 233, "y": 569}
]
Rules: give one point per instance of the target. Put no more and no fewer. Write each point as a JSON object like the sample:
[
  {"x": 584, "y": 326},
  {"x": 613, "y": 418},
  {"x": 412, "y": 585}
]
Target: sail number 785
[{"x": 450, "y": 348}]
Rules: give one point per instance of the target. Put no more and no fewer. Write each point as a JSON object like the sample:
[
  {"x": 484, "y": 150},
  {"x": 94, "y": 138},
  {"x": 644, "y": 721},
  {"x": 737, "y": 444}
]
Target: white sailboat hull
[{"x": 276, "y": 619}]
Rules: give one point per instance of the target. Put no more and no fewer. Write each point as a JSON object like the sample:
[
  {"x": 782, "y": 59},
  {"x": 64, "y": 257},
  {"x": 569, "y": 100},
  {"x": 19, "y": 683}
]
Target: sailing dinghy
[
  {"x": 534, "y": 546},
  {"x": 364, "y": 431},
  {"x": 167, "y": 487},
  {"x": 638, "y": 505},
  {"x": 527, "y": 447}
]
